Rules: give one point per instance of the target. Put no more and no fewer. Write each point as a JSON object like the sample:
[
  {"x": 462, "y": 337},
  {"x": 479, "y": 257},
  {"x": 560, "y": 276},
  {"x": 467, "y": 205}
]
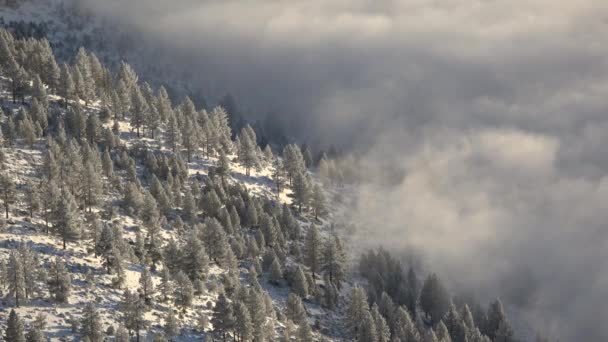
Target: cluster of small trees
[
  {"x": 24, "y": 277},
  {"x": 407, "y": 309}
]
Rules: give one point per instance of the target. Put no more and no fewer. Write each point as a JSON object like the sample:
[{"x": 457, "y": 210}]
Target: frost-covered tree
[
  {"x": 293, "y": 161},
  {"x": 313, "y": 249},
  {"x": 223, "y": 319},
  {"x": 318, "y": 201},
  {"x": 171, "y": 327},
  {"x": 243, "y": 328},
  {"x": 14, "y": 328},
  {"x": 15, "y": 277},
  {"x": 183, "y": 290},
  {"x": 133, "y": 309},
  {"x": 216, "y": 241},
  {"x": 8, "y": 191},
  {"x": 302, "y": 190},
  {"x": 498, "y": 327},
  {"x": 248, "y": 149},
  {"x": 334, "y": 260},
  {"x": 276, "y": 273},
  {"x": 139, "y": 109},
  {"x": 67, "y": 222},
  {"x": 194, "y": 260},
  {"x": 300, "y": 285},
  {"x": 434, "y": 299},
  {"x": 90, "y": 324},
  {"x": 59, "y": 281},
  {"x": 383, "y": 332},
  {"x": 294, "y": 310},
  {"x": 356, "y": 310},
  {"x": 146, "y": 285},
  {"x": 404, "y": 327}
]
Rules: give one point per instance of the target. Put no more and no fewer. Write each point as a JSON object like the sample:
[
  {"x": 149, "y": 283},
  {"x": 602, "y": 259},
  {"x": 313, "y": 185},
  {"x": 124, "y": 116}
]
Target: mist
[{"x": 493, "y": 113}]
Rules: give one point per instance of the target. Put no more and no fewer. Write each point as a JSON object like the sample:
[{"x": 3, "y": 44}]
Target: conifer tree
[
  {"x": 304, "y": 332},
  {"x": 294, "y": 310},
  {"x": 497, "y": 324},
  {"x": 195, "y": 261},
  {"x": 434, "y": 299},
  {"x": 15, "y": 277},
  {"x": 132, "y": 307},
  {"x": 184, "y": 291},
  {"x": 367, "y": 329},
  {"x": 8, "y": 191},
  {"x": 146, "y": 285},
  {"x": 171, "y": 327},
  {"x": 90, "y": 324},
  {"x": 215, "y": 239},
  {"x": 67, "y": 223},
  {"x": 318, "y": 201},
  {"x": 223, "y": 319},
  {"x": 276, "y": 273},
  {"x": 404, "y": 327},
  {"x": 383, "y": 332},
  {"x": 59, "y": 281},
  {"x": 243, "y": 328},
  {"x": 313, "y": 249},
  {"x": 356, "y": 309},
  {"x": 300, "y": 285},
  {"x": 139, "y": 109},
  {"x": 14, "y": 328},
  {"x": 165, "y": 286},
  {"x": 302, "y": 190},
  {"x": 334, "y": 260}
]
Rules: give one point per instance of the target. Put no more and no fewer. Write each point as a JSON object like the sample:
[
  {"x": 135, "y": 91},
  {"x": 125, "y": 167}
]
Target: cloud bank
[{"x": 493, "y": 112}]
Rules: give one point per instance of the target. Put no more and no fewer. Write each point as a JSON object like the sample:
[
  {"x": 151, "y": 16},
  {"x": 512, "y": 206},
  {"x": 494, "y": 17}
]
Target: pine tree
[
  {"x": 294, "y": 310},
  {"x": 404, "y": 327},
  {"x": 334, "y": 260},
  {"x": 276, "y": 273},
  {"x": 90, "y": 324},
  {"x": 455, "y": 324},
  {"x": 31, "y": 267},
  {"x": 434, "y": 299},
  {"x": 302, "y": 190},
  {"x": 132, "y": 307},
  {"x": 223, "y": 319},
  {"x": 318, "y": 201},
  {"x": 195, "y": 261},
  {"x": 171, "y": 327},
  {"x": 165, "y": 287},
  {"x": 216, "y": 241},
  {"x": 278, "y": 178},
  {"x": 184, "y": 291},
  {"x": 243, "y": 328},
  {"x": 443, "y": 335},
  {"x": 14, "y": 328},
  {"x": 248, "y": 153},
  {"x": 32, "y": 197},
  {"x": 190, "y": 137},
  {"x": 67, "y": 223},
  {"x": 139, "y": 109},
  {"x": 367, "y": 329},
  {"x": 8, "y": 191},
  {"x": 15, "y": 277},
  {"x": 383, "y": 332},
  {"x": 146, "y": 285},
  {"x": 497, "y": 325},
  {"x": 313, "y": 249},
  {"x": 304, "y": 332},
  {"x": 356, "y": 309},
  {"x": 189, "y": 208},
  {"x": 59, "y": 281},
  {"x": 172, "y": 132},
  {"x": 300, "y": 285}
]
